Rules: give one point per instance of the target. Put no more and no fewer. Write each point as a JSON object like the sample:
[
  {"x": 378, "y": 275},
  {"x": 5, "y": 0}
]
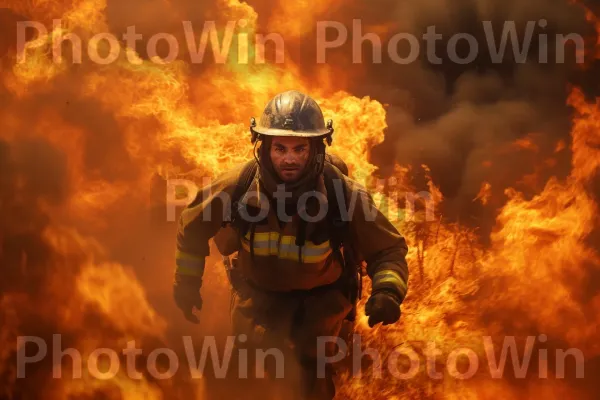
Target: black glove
[
  {"x": 186, "y": 292},
  {"x": 383, "y": 306}
]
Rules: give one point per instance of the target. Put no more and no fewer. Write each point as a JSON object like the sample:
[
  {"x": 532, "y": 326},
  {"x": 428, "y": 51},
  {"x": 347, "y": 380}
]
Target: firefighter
[{"x": 292, "y": 263}]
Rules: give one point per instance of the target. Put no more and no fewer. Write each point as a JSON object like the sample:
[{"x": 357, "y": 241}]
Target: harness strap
[
  {"x": 301, "y": 237},
  {"x": 247, "y": 175}
]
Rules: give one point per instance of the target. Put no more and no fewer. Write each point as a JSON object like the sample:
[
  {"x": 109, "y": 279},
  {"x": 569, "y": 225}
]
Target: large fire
[{"x": 107, "y": 133}]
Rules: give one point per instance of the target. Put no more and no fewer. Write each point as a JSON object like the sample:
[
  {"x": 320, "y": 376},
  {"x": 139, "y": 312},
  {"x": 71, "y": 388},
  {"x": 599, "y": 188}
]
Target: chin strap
[
  {"x": 254, "y": 135},
  {"x": 329, "y": 137}
]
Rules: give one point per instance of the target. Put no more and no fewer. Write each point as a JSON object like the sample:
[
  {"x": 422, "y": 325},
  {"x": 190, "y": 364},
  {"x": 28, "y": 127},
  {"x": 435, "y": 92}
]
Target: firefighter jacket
[{"x": 268, "y": 254}]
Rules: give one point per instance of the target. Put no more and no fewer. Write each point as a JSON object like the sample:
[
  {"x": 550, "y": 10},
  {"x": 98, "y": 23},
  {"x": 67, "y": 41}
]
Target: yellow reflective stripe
[
  {"x": 183, "y": 270},
  {"x": 288, "y": 240},
  {"x": 266, "y": 244},
  {"x": 180, "y": 255},
  {"x": 188, "y": 264},
  {"x": 270, "y": 237},
  {"x": 390, "y": 277},
  {"x": 264, "y": 236}
]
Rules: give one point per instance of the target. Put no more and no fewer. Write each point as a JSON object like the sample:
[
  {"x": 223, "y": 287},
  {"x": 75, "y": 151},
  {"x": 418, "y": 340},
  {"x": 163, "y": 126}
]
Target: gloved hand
[
  {"x": 384, "y": 307},
  {"x": 186, "y": 292}
]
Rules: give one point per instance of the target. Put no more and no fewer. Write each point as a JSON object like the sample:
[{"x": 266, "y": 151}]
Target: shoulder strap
[
  {"x": 338, "y": 225},
  {"x": 245, "y": 179},
  {"x": 243, "y": 183}
]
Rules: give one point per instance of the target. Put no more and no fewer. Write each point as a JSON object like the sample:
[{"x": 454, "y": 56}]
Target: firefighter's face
[{"x": 289, "y": 156}]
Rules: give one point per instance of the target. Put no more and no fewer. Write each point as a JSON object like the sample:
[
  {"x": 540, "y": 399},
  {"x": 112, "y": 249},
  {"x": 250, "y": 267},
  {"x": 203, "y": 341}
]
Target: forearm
[
  {"x": 390, "y": 278},
  {"x": 189, "y": 265},
  {"x": 389, "y": 271},
  {"x": 381, "y": 246}
]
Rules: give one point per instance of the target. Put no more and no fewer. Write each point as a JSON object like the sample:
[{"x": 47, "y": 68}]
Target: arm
[
  {"x": 384, "y": 250},
  {"x": 198, "y": 223}
]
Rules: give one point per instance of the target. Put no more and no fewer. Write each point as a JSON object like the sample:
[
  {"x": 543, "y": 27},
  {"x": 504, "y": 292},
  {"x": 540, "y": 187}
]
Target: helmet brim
[{"x": 292, "y": 133}]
